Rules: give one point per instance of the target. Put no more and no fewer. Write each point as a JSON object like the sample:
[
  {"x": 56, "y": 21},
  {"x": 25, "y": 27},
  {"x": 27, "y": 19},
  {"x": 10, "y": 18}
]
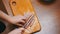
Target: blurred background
[{"x": 49, "y": 16}]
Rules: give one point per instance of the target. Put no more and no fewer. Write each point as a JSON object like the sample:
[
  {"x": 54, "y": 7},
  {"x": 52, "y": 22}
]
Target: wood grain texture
[{"x": 19, "y": 7}]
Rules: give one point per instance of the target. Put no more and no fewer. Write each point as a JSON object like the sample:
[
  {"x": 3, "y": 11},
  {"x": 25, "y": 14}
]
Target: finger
[
  {"x": 21, "y": 28},
  {"x": 23, "y": 18},
  {"x": 21, "y": 21},
  {"x": 28, "y": 14},
  {"x": 19, "y": 24},
  {"x": 20, "y": 17}
]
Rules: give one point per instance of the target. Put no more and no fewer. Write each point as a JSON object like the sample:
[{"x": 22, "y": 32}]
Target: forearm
[{"x": 4, "y": 16}]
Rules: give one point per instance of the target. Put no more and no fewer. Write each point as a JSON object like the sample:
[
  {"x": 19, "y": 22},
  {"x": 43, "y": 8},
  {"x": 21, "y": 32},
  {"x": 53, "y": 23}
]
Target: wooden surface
[{"x": 21, "y": 7}]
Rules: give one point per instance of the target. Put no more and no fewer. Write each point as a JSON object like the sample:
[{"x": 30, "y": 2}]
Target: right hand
[
  {"x": 16, "y": 31},
  {"x": 20, "y": 31}
]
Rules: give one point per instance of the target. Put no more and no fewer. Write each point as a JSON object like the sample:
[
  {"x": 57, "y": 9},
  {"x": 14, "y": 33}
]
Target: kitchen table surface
[{"x": 49, "y": 17}]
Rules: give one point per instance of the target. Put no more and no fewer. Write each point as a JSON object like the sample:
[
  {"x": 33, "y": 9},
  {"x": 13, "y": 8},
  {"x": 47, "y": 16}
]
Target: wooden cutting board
[{"x": 19, "y": 7}]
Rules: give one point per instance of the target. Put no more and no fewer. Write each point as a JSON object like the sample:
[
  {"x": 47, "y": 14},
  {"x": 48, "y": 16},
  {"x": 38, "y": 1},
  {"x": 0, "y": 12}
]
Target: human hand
[
  {"x": 20, "y": 31},
  {"x": 16, "y": 31},
  {"x": 19, "y": 19}
]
